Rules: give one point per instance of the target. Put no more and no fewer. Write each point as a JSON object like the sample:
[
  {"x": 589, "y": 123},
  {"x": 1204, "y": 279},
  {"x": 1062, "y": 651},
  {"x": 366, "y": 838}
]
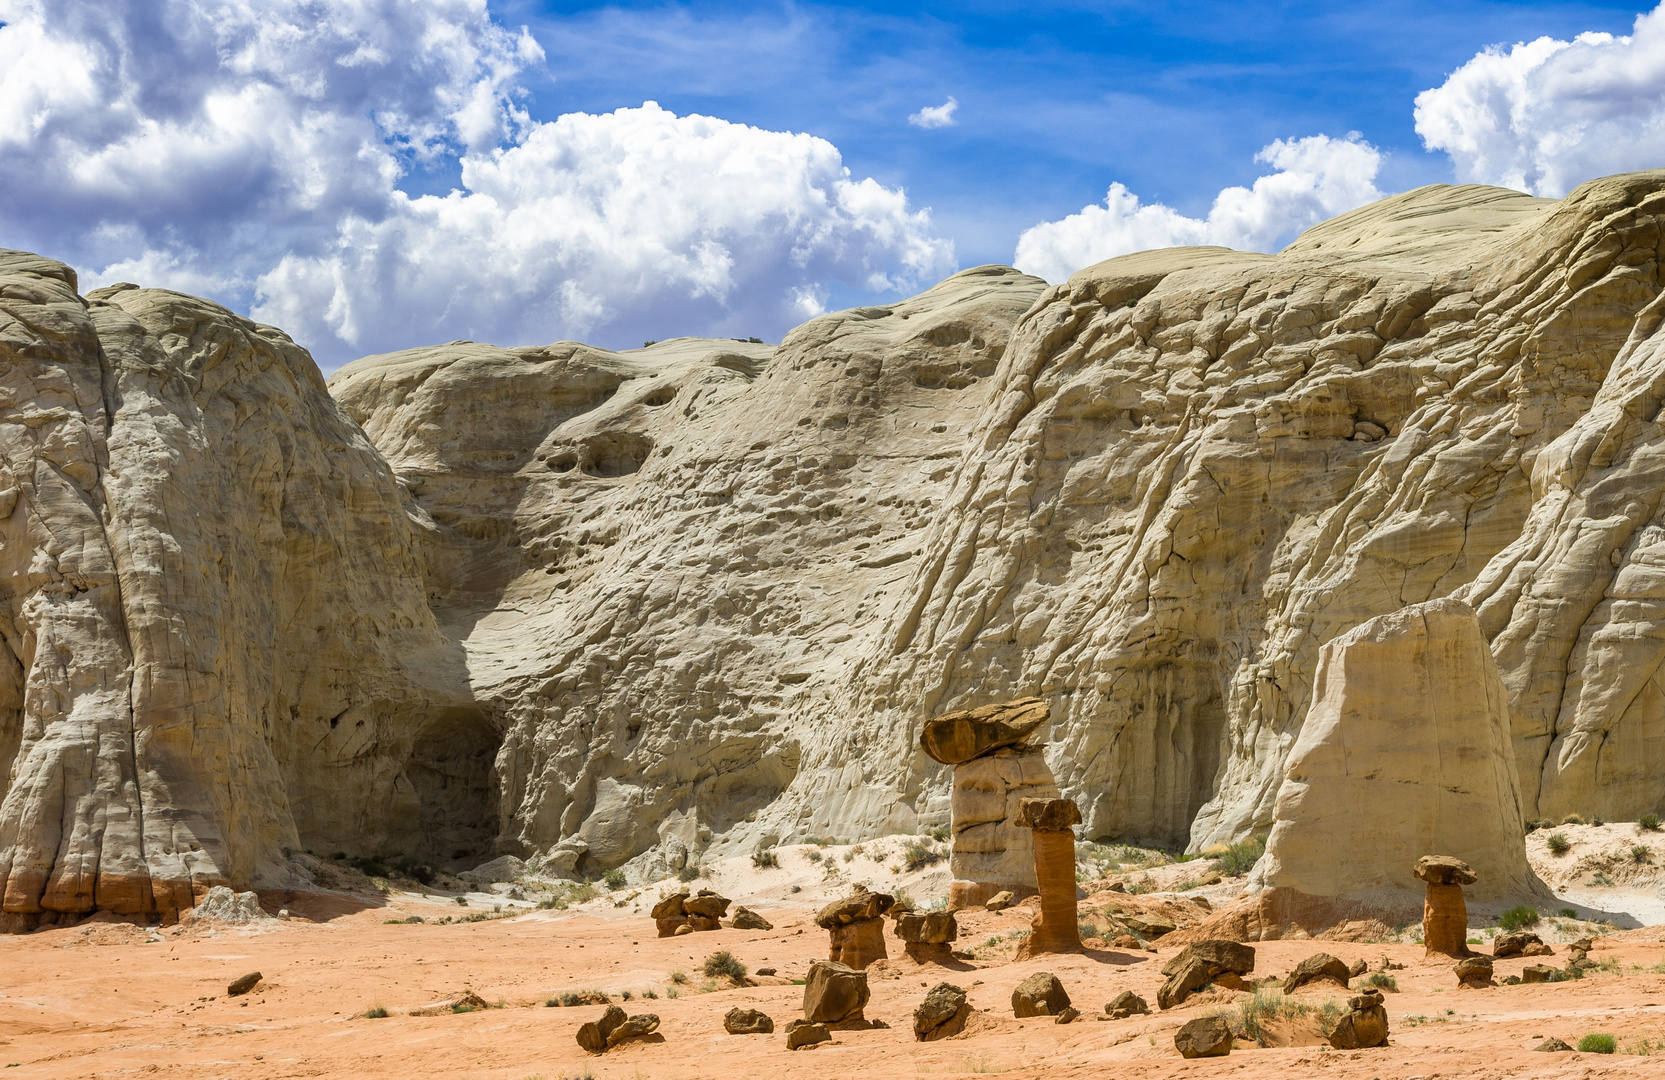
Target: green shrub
[
  {"x": 1598, "y": 822},
  {"x": 416, "y": 871},
  {"x": 1086, "y": 930},
  {"x": 1558, "y": 843},
  {"x": 1639, "y": 853},
  {"x": 1240, "y": 858},
  {"x": 941, "y": 833},
  {"x": 916, "y": 855},
  {"x": 1597, "y": 1043},
  {"x": 650, "y": 992},
  {"x": 765, "y": 859},
  {"x": 1648, "y": 823},
  {"x": 613, "y": 879},
  {"x": 679, "y": 976},
  {"x": 1517, "y": 918},
  {"x": 375, "y": 1012},
  {"x": 689, "y": 872},
  {"x": 462, "y": 901},
  {"x": 813, "y": 854},
  {"x": 1383, "y": 981},
  {"x": 1573, "y": 819},
  {"x": 724, "y": 963},
  {"x": 1567, "y": 913},
  {"x": 582, "y": 893}
]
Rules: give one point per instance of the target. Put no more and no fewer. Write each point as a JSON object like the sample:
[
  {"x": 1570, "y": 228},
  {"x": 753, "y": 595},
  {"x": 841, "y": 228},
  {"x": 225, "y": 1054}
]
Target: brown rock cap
[
  {"x": 1047, "y": 815},
  {"x": 862, "y": 905},
  {"x": 957, "y": 737},
  {"x": 1444, "y": 870}
]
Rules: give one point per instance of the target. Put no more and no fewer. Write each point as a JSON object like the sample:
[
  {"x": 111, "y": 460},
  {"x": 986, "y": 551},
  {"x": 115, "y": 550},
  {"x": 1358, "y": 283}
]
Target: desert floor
[{"x": 110, "y": 999}]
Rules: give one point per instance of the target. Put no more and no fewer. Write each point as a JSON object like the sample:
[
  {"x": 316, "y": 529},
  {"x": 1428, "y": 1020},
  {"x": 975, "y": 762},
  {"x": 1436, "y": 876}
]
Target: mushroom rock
[
  {"x": 857, "y": 929},
  {"x": 1406, "y": 749},
  {"x": 927, "y": 935},
  {"x": 957, "y": 737},
  {"x": 1055, "y": 928},
  {"x": 1444, "y": 911}
]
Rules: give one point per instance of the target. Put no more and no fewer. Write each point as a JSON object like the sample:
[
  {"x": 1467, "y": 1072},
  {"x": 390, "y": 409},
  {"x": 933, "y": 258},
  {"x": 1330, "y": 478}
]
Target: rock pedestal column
[
  {"x": 857, "y": 928},
  {"x": 1444, "y": 912},
  {"x": 1055, "y": 929}
]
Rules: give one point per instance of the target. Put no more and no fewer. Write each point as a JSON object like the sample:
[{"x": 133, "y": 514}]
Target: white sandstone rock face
[
  {"x": 215, "y": 638},
  {"x": 1406, "y": 751}
]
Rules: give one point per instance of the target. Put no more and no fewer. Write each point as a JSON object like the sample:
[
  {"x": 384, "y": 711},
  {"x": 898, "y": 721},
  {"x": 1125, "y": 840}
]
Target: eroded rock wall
[{"x": 214, "y": 627}]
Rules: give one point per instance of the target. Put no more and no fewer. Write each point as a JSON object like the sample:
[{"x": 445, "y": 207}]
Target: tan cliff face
[{"x": 640, "y": 607}]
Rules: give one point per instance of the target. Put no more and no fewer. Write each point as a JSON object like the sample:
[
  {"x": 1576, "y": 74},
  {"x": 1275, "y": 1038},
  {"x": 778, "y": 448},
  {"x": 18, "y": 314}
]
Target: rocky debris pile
[
  {"x": 1474, "y": 972},
  {"x": 927, "y": 936},
  {"x": 856, "y": 927},
  {"x": 1126, "y": 1004},
  {"x": 1041, "y": 994},
  {"x": 747, "y": 919},
  {"x": 700, "y": 911},
  {"x": 1056, "y": 927},
  {"x": 1206, "y": 1036},
  {"x": 1520, "y": 943},
  {"x": 221, "y": 905},
  {"x": 1365, "y": 1024},
  {"x": 613, "y": 1028},
  {"x": 941, "y": 1014},
  {"x": 243, "y": 985},
  {"x": 994, "y": 769},
  {"x": 1552, "y": 1045},
  {"x": 835, "y": 993},
  {"x": 739, "y": 1021},
  {"x": 1444, "y": 911},
  {"x": 1315, "y": 967},
  {"x": 1201, "y": 963},
  {"x": 804, "y": 1034},
  {"x": 467, "y": 1001}
]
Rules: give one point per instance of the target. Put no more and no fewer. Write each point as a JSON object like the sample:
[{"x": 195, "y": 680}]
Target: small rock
[
  {"x": 1000, "y": 901},
  {"x": 1126, "y": 1004},
  {"x": 765, "y": 971},
  {"x": 802, "y": 1033},
  {"x": 1117, "y": 886},
  {"x": 593, "y": 1035},
  {"x": 928, "y": 928},
  {"x": 283, "y": 913},
  {"x": 834, "y": 993},
  {"x": 681, "y": 930},
  {"x": 633, "y": 1028},
  {"x": 1149, "y": 926},
  {"x": 1364, "y": 1026},
  {"x": 941, "y": 1014},
  {"x": 747, "y": 919},
  {"x": 1552, "y": 1045},
  {"x": 1358, "y": 967},
  {"x": 1520, "y": 944},
  {"x": 1069, "y": 1014},
  {"x": 1537, "y": 973},
  {"x": 1315, "y": 967},
  {"x": 671, "y": 906},
  {"x": 1041, "y": 994},
  {"x": 748, "y": 1022},
  {"x": 243, "y": 985},
  {"x": 1474, "y": 971},
  {"x": 706, "y": 905},
  {"x": 1127, "y": 941},
  {"x": 1206, "y": 1036}
]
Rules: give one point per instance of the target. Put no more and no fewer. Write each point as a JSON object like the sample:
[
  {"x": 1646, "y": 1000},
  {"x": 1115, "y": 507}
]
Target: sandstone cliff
[{"x": 629, "y": 607}]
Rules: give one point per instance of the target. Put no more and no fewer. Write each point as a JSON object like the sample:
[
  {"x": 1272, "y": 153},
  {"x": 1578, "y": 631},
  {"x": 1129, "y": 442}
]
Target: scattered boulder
[
  {"x": 223, "y": 905},
  {"x": 1206, "y": 1036},
  {"x": 593, "y": 1035},
  {"x": 633, "y": 1028},
  {"x": 1519, "y": 944},
  {"x": 1149, "y": 926},
  {"x": 747, "y": 919},
  {"x": 748, "y": 1022},
  {"x": 1358, "y": 967},
  {"x": 1315, "y": 967},
  {"x": 1201, "y": 963},
  {"x": 1126, "y": 1004},
  {"x": 1474, "y": 971},
  {"x": 1000, "y": 901},
  {"x": 706, "y": 904},
  {"x": 681, "y": 928},
  {"x": 834, "y": 993},
  {"x": 243, "y": 985},
  {"x": 766, "y": 971},
  {"x": 1552, "y": 1045},
  {"x": 680, "y": 913},
  {"x": 1365, "y": 1024},
  {"x": 1444, "y": 911},
  {"x": 1041, "y": 994},
  {"x": 803, "y": 1033},
  {"x": 1578, "y": 953},
  {"x": 671, "y": 906},
  {"x": 941, "y": 1014},
  {"x": 1127, "y": 941},
  {"x": 1538, "y": 973},
  {"x": 1068, "y": 1015},
  {"x": 927, "y": 935},
  {"x": 957, "y": 737}
]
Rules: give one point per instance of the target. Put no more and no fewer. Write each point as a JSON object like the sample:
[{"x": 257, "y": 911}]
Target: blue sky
[
  {"x": 377, "y": 174},
  {"x": 1057, "y": 100}
]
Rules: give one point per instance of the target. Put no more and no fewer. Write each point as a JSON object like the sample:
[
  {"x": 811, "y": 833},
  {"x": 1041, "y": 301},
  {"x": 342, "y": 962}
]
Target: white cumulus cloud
[
  {"x": 1546, "y": 115},
  {"x": 935, "y": 116},
  {"x": 280, "y": 155},
  {"x": 1315, "y": 178}
]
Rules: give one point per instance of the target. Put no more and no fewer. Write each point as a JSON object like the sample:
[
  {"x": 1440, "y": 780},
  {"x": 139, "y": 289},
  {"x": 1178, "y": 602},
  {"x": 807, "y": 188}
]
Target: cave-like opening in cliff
[{"x": 453, "y": 769}]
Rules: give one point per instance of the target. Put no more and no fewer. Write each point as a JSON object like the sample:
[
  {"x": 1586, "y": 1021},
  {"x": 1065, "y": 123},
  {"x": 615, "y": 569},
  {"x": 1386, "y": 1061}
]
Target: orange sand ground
[{"x": 111, "y": 1000}]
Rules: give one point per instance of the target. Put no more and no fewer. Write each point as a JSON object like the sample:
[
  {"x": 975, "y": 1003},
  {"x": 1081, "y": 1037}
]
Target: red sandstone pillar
[{"x": 1055, "y": 929}]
